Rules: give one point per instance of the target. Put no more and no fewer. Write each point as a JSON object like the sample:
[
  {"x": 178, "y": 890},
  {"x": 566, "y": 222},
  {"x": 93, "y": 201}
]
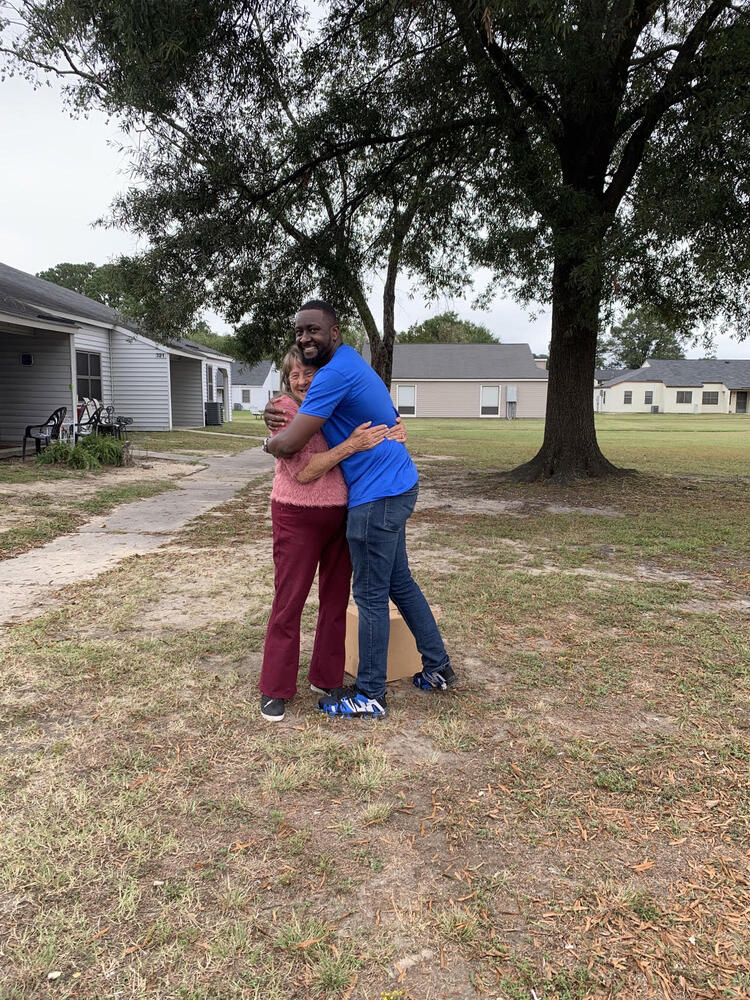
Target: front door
[{"x": 741, "y": 402}]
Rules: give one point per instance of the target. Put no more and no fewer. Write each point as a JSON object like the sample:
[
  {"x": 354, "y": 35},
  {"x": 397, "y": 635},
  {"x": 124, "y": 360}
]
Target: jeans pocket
[{"x": 397, "y": 510}]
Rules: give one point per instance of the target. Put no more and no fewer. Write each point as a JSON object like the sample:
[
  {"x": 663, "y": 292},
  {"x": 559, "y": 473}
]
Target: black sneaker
[
  {"x": 318, "y": 690},
  {"x": 349, "y": 703},
  {"x": 435, "y": 680},
  {"x": 272, "y": 709}
]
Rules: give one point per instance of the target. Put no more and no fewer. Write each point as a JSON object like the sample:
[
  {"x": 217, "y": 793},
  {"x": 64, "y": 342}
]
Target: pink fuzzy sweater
[{"x": 328, "y": 491}]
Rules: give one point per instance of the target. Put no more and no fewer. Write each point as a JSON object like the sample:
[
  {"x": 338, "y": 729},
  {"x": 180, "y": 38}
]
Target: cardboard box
[{"x": 403, "y": 657}]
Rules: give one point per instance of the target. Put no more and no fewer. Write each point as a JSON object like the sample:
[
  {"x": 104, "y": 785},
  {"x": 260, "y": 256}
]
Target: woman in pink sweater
[{"x": 308, "y": 512}]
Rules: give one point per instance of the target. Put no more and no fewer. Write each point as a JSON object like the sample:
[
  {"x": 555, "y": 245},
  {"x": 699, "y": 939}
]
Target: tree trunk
[
  {"x": 385, "y": 366},
  {"x": 570, "y": 450}
]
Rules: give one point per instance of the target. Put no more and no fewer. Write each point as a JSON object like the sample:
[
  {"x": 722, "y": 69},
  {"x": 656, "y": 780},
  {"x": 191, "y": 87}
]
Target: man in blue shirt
[{"x": 383, "y": 485}]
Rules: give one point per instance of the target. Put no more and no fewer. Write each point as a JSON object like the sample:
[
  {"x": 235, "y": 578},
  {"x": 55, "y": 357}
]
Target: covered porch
[
  {"x": 37, "y": 372},
  {"x": 195, "y": 381}
]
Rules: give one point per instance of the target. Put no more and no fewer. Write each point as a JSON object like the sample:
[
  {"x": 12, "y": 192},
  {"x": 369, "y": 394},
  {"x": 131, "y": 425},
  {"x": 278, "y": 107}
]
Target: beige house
[
  {"x": 487, "y": 381},
  {"x": 685, "y": 386}
]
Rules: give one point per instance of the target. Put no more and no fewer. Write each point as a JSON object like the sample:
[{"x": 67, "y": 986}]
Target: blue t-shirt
[{"x": 347, "y": 392}]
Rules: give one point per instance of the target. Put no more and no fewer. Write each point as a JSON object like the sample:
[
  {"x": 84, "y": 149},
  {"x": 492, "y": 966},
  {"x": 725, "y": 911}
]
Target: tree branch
[{"x": 654, "y": 108}]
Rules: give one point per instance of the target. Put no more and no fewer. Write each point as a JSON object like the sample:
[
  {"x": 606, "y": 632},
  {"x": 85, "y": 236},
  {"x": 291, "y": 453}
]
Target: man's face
[{"x": 317, "y": 336}]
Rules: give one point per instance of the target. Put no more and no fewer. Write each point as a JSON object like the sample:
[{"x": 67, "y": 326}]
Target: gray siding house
[
  {"x": 680, "y": 386},
  {"x": 486, "y": 381},
  {"x": 57, "y": 346}
]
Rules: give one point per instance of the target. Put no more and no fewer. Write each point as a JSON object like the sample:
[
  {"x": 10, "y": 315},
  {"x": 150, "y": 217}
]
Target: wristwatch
[{"x": 264, "y": 446}]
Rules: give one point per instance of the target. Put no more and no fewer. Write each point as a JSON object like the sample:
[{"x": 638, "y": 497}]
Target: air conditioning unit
[{"x": 654, "y": 409}]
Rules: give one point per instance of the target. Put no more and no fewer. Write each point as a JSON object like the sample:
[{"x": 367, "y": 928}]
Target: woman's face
[{"x": 300, "y": 377}]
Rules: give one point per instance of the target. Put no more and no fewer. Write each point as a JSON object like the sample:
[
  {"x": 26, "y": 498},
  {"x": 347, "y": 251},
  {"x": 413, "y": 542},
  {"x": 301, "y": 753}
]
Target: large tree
[
  {"x": 616, "y": 153},
  {"x": 105, "y": 283},
  {"x": 228, "y": 103},
  {"x": 639, "y": 335},
  {"x": 606, "y": 141},
  {"x": 446, "y": 328}
]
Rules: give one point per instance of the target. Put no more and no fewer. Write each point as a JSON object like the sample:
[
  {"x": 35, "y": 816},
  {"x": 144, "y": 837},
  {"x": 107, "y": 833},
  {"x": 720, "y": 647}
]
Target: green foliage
[
  {"x": 591, "y": 155},
  {"x": 223, "y": 343},
  {"x": 642, "y": 334},
  {"x": 107, "y": 284},
  {"x": 137, "y": 288},
  {"x": 88, "y": 453},
  {"x": 446, "y": 328}
]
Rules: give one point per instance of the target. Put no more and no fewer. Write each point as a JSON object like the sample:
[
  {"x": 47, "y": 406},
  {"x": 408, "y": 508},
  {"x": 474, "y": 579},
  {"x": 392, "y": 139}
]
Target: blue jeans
[{"x": 376, "y": 532}]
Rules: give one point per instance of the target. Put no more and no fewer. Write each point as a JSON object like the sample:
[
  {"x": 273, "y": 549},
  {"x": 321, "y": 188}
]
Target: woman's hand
[
  {"x": 397, "y": 432},
  {"x": 365, "y": 437}
]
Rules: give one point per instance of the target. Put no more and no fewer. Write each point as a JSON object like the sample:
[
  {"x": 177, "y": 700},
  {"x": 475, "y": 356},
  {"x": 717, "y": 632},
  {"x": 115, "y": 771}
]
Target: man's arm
[{"x": 295, "y": 435}]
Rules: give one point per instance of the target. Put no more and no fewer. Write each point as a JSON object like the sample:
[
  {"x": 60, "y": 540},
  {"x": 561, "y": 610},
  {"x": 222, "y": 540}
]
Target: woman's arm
[{"x": 362, "y": 438}]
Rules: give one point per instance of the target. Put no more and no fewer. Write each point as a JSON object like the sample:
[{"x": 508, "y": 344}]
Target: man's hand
[
  {"x": 397, "y": 432},
  {"x": 274, "y": 417}
]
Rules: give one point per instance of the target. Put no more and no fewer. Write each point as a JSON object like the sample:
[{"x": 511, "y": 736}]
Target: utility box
[
  {"x": 654, "y": 409},
  {"x": 213, "y": 413},
  {"x": 403, "y": 656}
]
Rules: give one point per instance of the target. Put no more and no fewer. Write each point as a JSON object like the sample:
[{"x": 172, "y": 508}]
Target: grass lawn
[
  {"x": 193, "y": 442},
  {"x": 243, "y": 431},
  {"x": 242, "y": 422},
  {"x": 40, "y": 502},
  {"x": 571, "y": 822}
]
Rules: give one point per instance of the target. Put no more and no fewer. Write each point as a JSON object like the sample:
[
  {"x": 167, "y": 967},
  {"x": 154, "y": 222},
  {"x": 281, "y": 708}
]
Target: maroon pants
[{"x": 306, "y": 539}]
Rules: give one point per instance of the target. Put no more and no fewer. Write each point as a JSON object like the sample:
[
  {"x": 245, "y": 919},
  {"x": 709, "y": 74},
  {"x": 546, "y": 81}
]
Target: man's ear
[{"x": 336, "y": 332}]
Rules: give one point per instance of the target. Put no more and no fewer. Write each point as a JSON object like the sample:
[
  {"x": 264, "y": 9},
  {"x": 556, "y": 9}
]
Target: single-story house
[
  {"x": 680, "y": 386},
  {"x": 254, "y": 385},
  {"x": 488, "y": 381},
  {"x": 601, "y": 377},
  {"x": 57, "y": 346}
]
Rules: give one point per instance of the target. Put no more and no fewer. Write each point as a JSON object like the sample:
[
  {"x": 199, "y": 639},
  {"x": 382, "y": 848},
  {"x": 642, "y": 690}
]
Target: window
[
  {"x": 490, "y": 400},
  {"x": 209, "y": 382},
  {"x": 684, "y": 397},
  {"x": 710, "y": 399},
  {"x": 628, "y": 396},
  {"x": 407, "y": 400},
  {"x": 89, "y": 375},
  {"x": 245, "y": 395},
  {"x": 648, "y": 397}
]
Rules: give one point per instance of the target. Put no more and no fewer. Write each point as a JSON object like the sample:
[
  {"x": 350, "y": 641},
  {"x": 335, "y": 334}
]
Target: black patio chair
[
  {"x": 44, "y": 434},
  {"x": 107, "y": 422},
  {"x": 122, "y": 426},
  {"x": 89, "y": 421},
  {"x": 111, "y": 423}
]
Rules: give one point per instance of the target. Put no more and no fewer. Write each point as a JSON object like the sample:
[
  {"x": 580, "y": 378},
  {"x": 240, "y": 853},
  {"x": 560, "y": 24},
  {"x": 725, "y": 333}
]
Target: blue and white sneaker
[
  {"x": 435, "y": 680},
  {"x": 349, "y": 703}
]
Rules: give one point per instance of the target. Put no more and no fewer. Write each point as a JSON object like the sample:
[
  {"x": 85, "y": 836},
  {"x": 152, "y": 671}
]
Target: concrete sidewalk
[{"x": 28, "y": 582}]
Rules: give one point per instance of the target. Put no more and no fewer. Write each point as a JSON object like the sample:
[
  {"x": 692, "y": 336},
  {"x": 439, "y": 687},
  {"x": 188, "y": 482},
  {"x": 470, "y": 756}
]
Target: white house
[
  {"x": 57, "y": 346},
  {"x": 487, "y": 381},
  {"x": 254, "y": 385},
  {"x": 680, "y": 386}
]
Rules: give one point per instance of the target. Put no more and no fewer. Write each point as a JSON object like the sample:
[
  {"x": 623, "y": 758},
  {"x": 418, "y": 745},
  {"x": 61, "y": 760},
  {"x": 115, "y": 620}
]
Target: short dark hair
[{"x": 322, "y": 305}]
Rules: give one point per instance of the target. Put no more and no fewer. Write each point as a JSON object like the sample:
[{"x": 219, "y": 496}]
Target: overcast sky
[{"x": 60, "y": 174}]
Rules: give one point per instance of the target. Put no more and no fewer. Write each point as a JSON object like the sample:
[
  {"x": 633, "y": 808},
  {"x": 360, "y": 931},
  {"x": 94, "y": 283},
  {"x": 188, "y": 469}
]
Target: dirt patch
[
  {"x": 189, "y": 600},
  {"x": 511, "y": 508},
  {"x": 568, "y": 822},
  {"x": 89, "y": 483}
]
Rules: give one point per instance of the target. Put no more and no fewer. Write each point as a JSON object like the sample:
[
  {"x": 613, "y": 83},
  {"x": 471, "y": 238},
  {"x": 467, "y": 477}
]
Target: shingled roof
[
  {"x": 27, "y": 289},
  {"x": 244, "y": 374},
  {"x": 732, "y": 374},
  {"x": 464, "y": 362}
]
